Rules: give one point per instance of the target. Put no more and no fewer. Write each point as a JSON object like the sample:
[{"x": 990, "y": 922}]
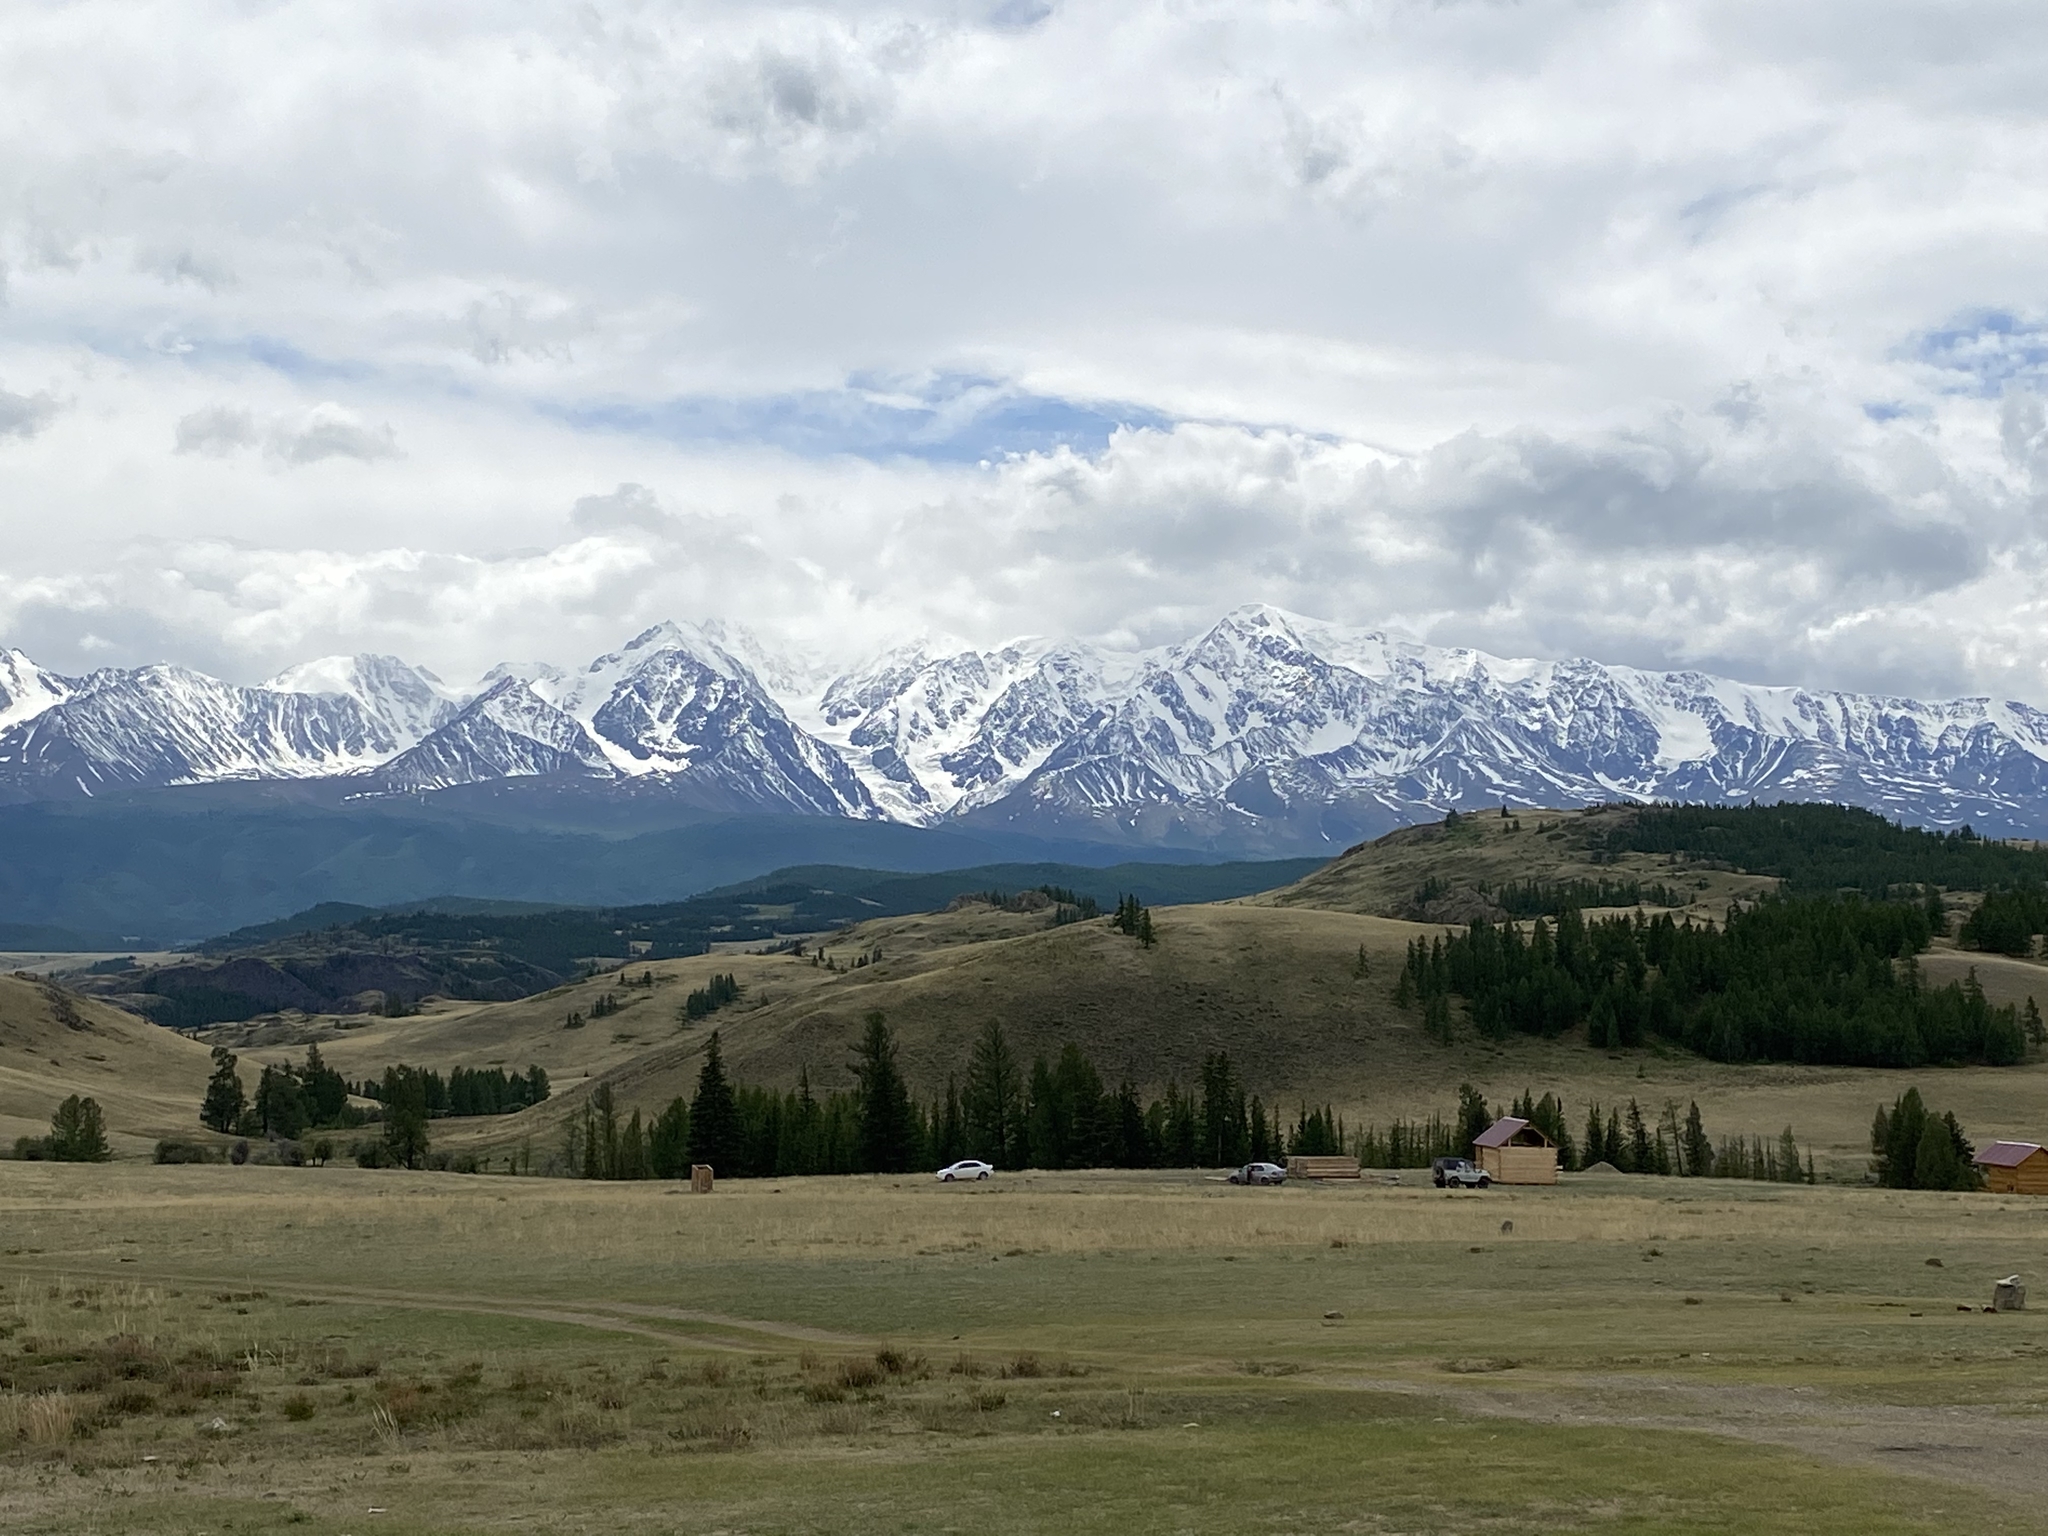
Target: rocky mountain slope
[{"x": 1266, "y": 733}]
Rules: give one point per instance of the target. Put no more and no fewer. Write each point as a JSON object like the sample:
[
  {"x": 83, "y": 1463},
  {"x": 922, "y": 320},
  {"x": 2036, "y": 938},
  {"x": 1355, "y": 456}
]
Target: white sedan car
[{"x": 966, "y": 1168}]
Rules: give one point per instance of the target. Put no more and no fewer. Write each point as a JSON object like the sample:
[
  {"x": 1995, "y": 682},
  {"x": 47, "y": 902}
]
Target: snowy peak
[
  {"x": 410, "y": 701},
  {"x": 26, "y": 690},
  {"x": 1267, "y": 731},
  {"x": 506, "y": 732}
]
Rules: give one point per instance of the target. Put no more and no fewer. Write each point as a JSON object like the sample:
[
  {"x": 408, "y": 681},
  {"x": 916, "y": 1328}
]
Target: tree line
[
  {"x": 1548, "y": 898},
  {"x": 1060, "y": 1113},
  {"x": 291, "y": 1100},
  {"x": 1819, "y": 849},
  {"x": 1820, "y": 980}
]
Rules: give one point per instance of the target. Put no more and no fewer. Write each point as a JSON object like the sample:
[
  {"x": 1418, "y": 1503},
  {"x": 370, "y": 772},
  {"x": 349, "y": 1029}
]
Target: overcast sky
[{"x": 1709, "y": 335}]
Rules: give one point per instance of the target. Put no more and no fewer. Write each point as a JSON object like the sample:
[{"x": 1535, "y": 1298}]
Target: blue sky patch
[
  {"x": 1986, "y": 352},
  {"x": 955, "y": 418}
]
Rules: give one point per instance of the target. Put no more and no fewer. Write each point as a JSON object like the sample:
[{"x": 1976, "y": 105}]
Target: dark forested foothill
[
  {"x": 1819, "y": 980},
  {"x": 1816, "y": 848},
  {"x": 2006, "y": 922}
]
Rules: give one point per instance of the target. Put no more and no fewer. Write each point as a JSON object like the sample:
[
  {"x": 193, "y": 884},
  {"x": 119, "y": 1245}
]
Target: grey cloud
[
  {"x": 629, "y": 506},
  {"x": 217, "y": 429},
  {"x": 26, "y": 415},
  {"x": 329, "y": 433},
  {"x": 325, "y": 432},
  {"x": 187, "y": 266}
]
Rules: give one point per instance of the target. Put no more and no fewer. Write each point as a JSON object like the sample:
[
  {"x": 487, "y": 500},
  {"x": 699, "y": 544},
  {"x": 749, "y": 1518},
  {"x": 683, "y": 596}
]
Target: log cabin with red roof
[{"x": 2014, "y": 1168}]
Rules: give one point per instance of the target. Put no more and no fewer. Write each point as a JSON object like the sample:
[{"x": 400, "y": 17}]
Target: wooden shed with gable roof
[
  {"x": 1513, "y": 1151},
  {"x": 2014, "y": 1168}
]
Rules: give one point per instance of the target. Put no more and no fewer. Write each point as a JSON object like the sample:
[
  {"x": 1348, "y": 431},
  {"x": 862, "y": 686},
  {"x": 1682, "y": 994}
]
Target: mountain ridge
[{"x": 1266, "y": 733}]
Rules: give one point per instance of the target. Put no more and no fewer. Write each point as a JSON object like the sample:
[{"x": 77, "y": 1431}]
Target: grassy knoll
[
  {"x": 1480, "y": 853},
  {"x": 55, "y": 1043},
  {"x": 1050, "y": 1352}
]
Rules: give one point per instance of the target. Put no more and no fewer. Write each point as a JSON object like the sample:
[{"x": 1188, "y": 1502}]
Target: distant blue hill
[{"x": 170, "y": 866}]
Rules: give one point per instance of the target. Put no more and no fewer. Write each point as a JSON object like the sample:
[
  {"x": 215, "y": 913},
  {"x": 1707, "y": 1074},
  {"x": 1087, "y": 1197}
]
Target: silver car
[
  {"x": 966, "y": 1168},
  {"x": 1259, "y": 1173}
]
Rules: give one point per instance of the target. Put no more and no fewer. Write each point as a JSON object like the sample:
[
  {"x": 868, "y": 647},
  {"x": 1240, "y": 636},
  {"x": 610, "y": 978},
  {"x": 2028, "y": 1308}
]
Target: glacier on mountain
[{"x": 1268, "y": 732}]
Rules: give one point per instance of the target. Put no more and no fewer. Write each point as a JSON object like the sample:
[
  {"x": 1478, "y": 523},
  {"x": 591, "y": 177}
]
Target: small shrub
[
  {"x": 1026, "y": 1365},
  {"x": 298, "y": 1408},
  {"x": 859, "y": 1375},
  {"x": 183, "y": 1152},
  {"x": 988, "y": 1399},
  {"x": 897, "y": 1362}
]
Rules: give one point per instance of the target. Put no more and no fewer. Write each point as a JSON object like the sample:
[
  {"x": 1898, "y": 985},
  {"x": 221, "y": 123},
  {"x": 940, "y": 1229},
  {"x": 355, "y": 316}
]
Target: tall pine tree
[
  {"x": 993, "y": 1105},
  {"x": 889, "y": 1130},
  {"x": 714, "y": 1114}
]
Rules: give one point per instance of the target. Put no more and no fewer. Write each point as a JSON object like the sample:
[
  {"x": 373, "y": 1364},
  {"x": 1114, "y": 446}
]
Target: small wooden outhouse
[
  {"x": 1515, "y": 1152},
  {"x": 2014, "y": 1168}
]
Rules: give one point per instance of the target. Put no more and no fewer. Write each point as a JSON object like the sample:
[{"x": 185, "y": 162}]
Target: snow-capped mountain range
[{"x": 1268, "y": 732}]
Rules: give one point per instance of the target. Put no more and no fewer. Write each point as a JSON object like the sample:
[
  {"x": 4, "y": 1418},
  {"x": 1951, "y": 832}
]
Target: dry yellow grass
[
  {"x": 147, "y": 1080},
  {"x": 1138, "y": 1351},
  {"x": 1384, "y": 876}
]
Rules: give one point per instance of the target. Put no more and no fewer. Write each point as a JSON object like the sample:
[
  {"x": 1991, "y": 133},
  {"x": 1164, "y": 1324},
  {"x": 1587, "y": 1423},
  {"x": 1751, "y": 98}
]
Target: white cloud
[{"x": 1702, "y": 333}]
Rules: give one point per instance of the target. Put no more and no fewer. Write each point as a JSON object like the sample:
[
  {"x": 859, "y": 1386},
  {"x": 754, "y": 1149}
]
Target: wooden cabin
[
  {"x": 2014, "y": 1168},
  {"x": 1513, "y": 1151}
]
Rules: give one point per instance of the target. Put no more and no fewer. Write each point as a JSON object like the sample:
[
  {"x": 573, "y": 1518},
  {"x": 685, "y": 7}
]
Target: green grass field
[{"x": 337, "y": 1351}]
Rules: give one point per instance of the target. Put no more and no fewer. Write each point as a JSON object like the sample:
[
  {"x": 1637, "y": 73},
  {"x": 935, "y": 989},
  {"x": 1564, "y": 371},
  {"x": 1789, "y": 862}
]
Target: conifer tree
[
  {"x": 1472, "y": 1117},
  {"x": 1934, "y": 1160},
  {"x": 405, "y": 1114},
  {"x": 225, "y": 1100},
  {"x": 78, "y": 1132},
  {"x": 280, "y": 1102},
  {"x": 992, "y": 1105},
  {"x": 888, "y": 1133},
  {"x": 1788, "y": 1158},
  {"x": 1698, "y": 1159},
  {"x": 1640, "y": 1158},
  {"x": 714, "y": 1116},
  {"x": 949, "y": 1128},
  {"x": 326, "y": 1092},
  {"x": 668, "y": 1142}
]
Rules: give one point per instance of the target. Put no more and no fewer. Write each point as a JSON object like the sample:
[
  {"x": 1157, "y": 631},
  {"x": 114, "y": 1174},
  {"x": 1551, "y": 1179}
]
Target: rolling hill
[
  {"x": 53, "y": 1043},
  {"x": 1274, "y": 979}
]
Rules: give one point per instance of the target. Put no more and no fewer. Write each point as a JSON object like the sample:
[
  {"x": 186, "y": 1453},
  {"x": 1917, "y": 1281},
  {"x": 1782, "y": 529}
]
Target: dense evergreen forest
[
  {"x": 1817, "y": 848},
  {"x": 1820, "y": 980},
  {"x": 1547, "y": 898},
  {"x": 2006, "y": 922}
]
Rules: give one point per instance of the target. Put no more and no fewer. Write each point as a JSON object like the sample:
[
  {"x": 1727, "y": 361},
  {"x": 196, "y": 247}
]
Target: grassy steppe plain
[{"x": 413, "y": 1353}]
